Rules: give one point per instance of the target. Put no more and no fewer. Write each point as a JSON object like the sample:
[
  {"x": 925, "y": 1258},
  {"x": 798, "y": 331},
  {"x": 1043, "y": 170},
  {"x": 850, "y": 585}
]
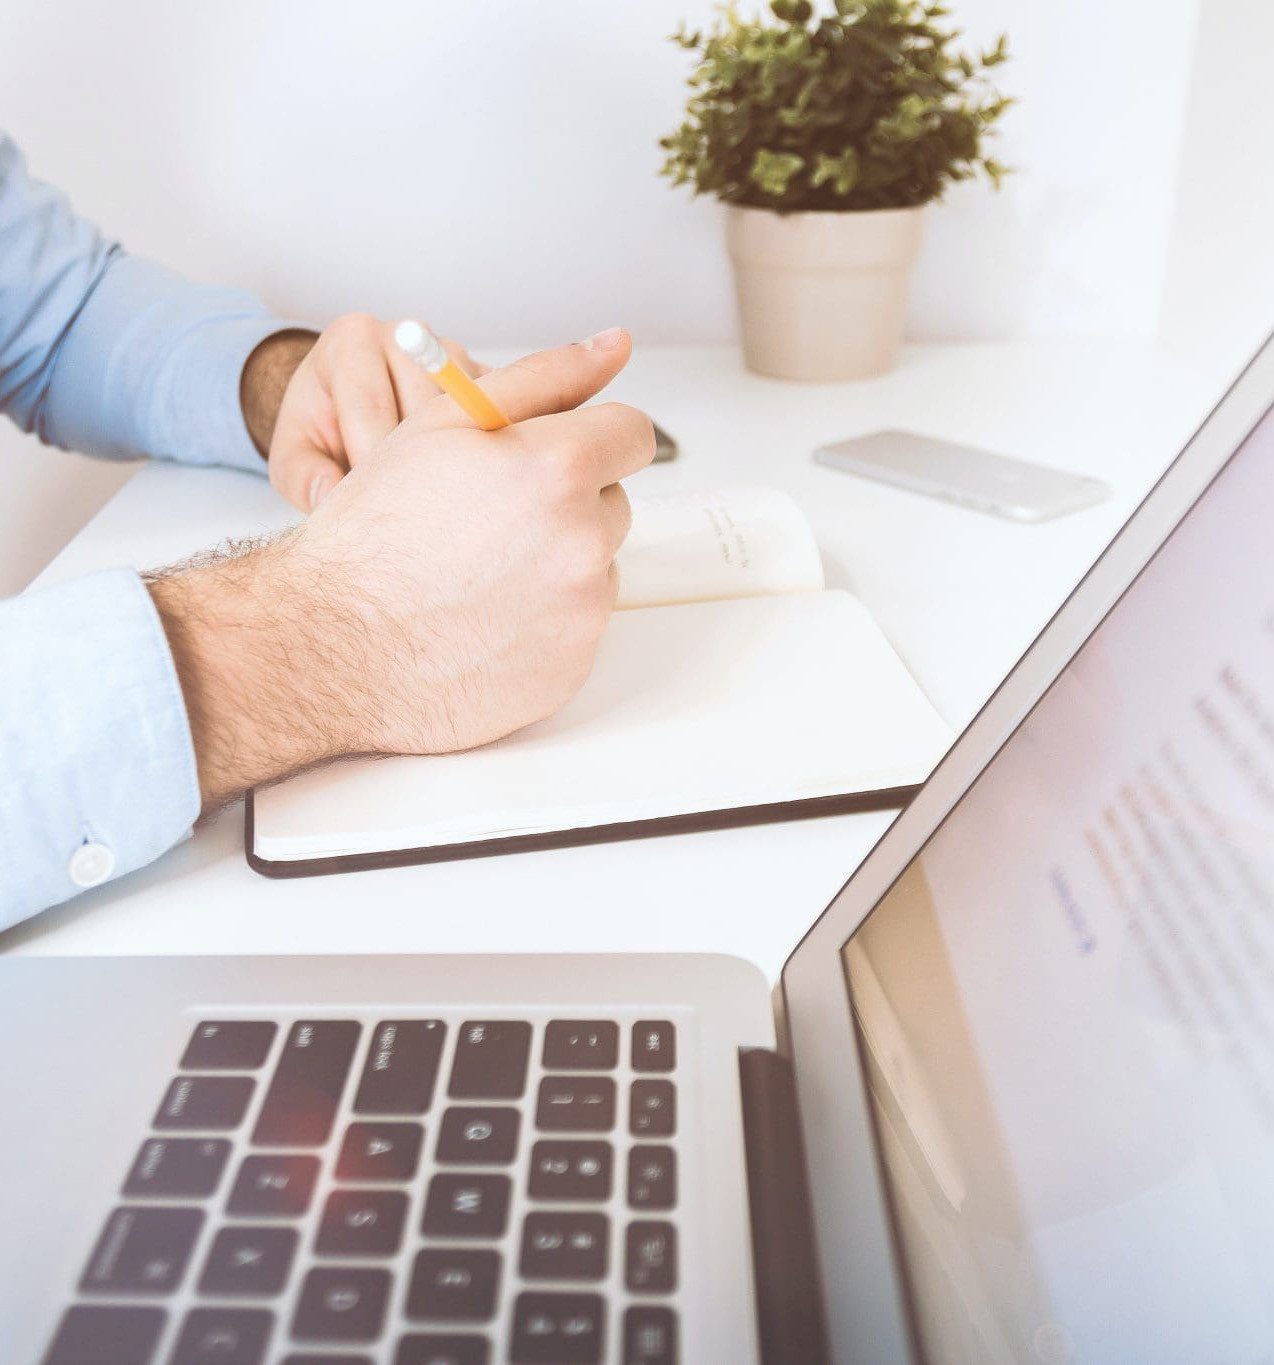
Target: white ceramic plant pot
[{"x": 822, "y": 295}]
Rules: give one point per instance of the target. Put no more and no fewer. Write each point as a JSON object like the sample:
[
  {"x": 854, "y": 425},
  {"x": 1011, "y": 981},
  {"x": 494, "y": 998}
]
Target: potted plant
[{"x": 825, "y": 135}]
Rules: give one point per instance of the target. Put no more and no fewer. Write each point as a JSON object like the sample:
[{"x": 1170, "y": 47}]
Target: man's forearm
[{"x": 254, "y": 666}]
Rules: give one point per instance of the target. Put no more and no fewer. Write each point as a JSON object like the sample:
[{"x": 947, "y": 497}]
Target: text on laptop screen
[{"x": 1066, "y": 1004}]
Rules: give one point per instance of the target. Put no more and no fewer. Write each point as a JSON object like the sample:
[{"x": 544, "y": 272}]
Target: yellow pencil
[{"x": 429, "y": 353}]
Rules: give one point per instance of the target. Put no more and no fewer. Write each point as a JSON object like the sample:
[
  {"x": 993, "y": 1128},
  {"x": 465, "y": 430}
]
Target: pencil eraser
[
  {"x": 417, "y": 341},
  {"x": 410, "y": 336}
]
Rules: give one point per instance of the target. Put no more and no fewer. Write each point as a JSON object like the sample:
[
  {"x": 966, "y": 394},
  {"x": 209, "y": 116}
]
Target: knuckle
[
  {"x": 631, "y": 426},
  {"x": 628, "y": 417},
  {"x": 595, "y": 549},
  {"x": 583, "y": 649},
  {"x": 539, "y": 365},
  {"x": 360, "y": 323},
  {"x": 354, "y": 329},
  {"x": 601, "y": 604},
  {"x": 643, "y": 433},
  {"x": 369, "y": 400},
  {"x": 567, "y": 465},
  {"x": 623, "y": 511}
]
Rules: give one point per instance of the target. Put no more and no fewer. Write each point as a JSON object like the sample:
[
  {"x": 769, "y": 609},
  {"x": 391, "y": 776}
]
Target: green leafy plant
[{"x": 869, "y": 106}]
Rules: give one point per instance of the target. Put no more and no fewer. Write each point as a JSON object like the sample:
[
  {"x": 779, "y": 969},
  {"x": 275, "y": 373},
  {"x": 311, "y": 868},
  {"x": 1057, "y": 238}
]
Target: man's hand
[
  {"x": 319, "y": 406},
  {"x": 447, "y": 592}
]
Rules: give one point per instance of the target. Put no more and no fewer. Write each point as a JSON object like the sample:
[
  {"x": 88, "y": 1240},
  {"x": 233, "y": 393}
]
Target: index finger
[
  {"x": 546, "y": 382},
  {"x": 364, "y": 400}
]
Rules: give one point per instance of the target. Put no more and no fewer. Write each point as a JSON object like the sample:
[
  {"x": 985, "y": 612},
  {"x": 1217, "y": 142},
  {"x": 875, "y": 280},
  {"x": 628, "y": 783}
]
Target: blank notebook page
[{"x": 701, "y": 707}]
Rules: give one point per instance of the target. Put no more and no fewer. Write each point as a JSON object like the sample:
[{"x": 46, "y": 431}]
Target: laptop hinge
[{"x": 789, "y": 1304}]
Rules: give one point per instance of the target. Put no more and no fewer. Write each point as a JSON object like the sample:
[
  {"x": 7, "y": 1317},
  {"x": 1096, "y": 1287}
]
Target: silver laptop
[{"x": 1013, "y": 1099}]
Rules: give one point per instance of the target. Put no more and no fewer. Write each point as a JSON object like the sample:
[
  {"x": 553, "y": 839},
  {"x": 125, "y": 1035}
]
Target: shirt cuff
[
  {"x": 152, "y": 366},
  {"x": 97, "y": 765},
  {"x": 204, "y": 412}
]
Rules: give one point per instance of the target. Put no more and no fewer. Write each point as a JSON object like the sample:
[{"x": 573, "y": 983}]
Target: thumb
[
  {"x": 304, "y": 475},
  {"x": 544, "y": 383}
]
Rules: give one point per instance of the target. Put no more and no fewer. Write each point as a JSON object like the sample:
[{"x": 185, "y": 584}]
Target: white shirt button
[{"x": 91, "y": 864}]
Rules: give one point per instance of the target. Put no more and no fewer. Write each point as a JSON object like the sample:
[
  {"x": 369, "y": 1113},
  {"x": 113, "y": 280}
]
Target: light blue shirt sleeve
[
  {"x": 112, "y": 355},
  {"x": 97, "y": 768}
]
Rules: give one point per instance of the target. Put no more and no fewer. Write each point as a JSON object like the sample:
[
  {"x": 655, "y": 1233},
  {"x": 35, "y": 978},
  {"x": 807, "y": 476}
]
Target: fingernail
[
  {"x": 604, "y": 341},
  {"x": 320, "y": 486}
]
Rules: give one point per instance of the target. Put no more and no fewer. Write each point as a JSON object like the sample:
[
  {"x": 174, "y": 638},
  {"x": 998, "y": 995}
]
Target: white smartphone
[{"x": 964, "y": 474}]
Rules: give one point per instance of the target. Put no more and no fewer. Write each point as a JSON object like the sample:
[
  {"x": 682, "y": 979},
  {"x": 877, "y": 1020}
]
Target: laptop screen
[{"x": 1065, "y": 1005}]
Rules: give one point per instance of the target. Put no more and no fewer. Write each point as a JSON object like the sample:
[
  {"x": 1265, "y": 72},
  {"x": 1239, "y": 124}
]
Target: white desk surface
[{"x": 959, "y": 593}]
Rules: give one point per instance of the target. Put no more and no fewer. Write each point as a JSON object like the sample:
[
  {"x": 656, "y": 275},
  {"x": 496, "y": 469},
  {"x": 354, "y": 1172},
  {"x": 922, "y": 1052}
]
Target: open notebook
[{"x": 731, "y": 689}]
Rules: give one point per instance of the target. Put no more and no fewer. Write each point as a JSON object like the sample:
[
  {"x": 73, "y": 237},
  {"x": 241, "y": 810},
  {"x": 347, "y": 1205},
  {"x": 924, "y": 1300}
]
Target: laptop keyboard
[{"x": 441, "y": 1191}]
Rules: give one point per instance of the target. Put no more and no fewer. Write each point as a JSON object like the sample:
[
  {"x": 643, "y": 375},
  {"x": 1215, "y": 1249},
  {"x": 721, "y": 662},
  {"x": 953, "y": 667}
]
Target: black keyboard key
[
  {"x": 466, "y": 1206},
  {"x": 342, "y": 1305},
  {"x": 142, "y": 1251},
  {"x": 273, "y": 1187},
  {"x": 362, "y": 1223},
  {"x": 228, "y": 1045},
  {"x": 401, "y": 1068},
  {"x": 435, "y": 1348},
  {"x": 650, "y": 1335},
  {"x": 304, "y": 1358},
  {"x": 558, "y": 1329},
  {"x": 478, "y": 1137},
  {"x": 652, "y": 1178},
  {"x": 177, "y": 1168},
  {"x": 572, "y": 1171},
  {"x": 212, "y": 1103},
  {"x": 300, "y": 1104},
  {"x": 650, "y": 1265},
  {"x": 582, "y": 1104},
  {"x": 454, "y": 1284},
  {"x": 248, "y": 1260},
  {"x": 92, "y": 1335},
  {"x": 380, "y": 1151},
  {"x": 652, "y": 1109},
  {"x": 223, "y": 1336},
  {"x": 654, "y": 1045},
  {"x": 491, "y": 1058},
  {"x": 581, "y": 1045},
  {"x": 564, "y": 1246}
]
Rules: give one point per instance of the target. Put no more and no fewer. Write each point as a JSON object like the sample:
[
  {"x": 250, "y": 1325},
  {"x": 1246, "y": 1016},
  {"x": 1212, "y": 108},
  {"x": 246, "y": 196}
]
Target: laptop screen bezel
[{"x": 863, "y": 1277}]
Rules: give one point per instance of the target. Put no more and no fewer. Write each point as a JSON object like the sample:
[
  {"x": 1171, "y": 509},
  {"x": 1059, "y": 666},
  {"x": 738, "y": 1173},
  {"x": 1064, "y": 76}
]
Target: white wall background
[
  {"x": 491, "y": 166},
  {"x": 1219, "y": 285},
  {"x": 492, "y": 163}
]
